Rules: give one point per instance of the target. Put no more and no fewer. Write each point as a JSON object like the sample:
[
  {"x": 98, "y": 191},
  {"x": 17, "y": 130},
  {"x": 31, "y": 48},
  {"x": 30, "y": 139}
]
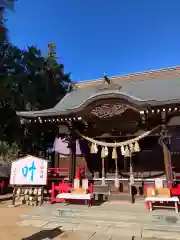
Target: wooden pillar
[
  {"x": 165, "y": 142},
  {"x": 72, "y": 159},
  {"x": 115, "y": 157},
  {"x": 131, "y": 179},
  {"x": 116, "y": 172},
  {"x": 56, "y": 160},
  {"x": 103, "y": 183}
]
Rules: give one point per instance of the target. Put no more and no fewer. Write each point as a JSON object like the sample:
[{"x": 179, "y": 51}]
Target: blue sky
[{"x": 97, "y": 36}]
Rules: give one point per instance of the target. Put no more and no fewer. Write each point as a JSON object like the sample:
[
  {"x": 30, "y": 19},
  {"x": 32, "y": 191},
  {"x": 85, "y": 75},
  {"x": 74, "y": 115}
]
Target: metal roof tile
[{"x": 154, "y": 87}]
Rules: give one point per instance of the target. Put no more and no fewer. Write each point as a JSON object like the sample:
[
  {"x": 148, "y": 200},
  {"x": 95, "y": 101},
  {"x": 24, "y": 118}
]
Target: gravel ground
[{"x": 9, "y": 216}]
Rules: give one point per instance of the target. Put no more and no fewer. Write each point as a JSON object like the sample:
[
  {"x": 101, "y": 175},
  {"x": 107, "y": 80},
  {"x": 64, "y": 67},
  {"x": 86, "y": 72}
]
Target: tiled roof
[
  {"x": 156, "y": 87},
  {"x": 171, "y": 73}
]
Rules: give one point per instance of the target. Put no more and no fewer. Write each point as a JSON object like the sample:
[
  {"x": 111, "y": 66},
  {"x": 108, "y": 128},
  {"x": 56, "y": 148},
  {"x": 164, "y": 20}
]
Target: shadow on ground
[
  {"x": 3, "y": 199},
  {"x": 5, "y": 196},
  {"x": 45, "y": 234}
]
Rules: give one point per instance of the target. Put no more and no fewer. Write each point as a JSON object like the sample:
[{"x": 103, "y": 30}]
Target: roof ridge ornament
[{"x": 111, "y": 86}]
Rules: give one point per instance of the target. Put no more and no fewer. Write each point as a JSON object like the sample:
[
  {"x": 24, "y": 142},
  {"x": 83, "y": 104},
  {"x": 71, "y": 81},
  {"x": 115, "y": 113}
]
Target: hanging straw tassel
[
  {"x": 103, "y": 153},
  {"x": 114, "y": 153},
  {"x": 136, "y": 147},
  {"x": 106, "y": 151},
  {"x": 103, "y": 169},
  {"x": 122, "y": 150},
  {"x": 127, "y": 152},
  {"x": 94, "y": 148},
  {"x": 132, "y": 147}
]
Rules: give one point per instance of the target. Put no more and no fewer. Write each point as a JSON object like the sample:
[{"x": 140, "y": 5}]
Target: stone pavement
[
  {"x": 122, "y": 221},
  {"x": 76, "y": 235}
]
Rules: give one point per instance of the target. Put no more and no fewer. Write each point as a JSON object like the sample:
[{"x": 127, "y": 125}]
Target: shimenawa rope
[{"x": 117, "y": 144}]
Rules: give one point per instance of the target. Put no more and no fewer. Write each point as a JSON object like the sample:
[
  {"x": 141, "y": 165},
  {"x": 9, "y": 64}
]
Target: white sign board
[{"x": 29, "y": 171}]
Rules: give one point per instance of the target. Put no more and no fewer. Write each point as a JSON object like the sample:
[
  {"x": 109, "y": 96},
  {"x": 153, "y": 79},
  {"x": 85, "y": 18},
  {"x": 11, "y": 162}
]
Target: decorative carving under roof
[{"x": 108, "y": 110}]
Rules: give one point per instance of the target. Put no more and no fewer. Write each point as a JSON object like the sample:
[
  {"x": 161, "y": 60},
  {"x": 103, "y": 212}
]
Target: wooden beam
[
  {"x": 72, "y": 159},
  {"x": 56, "y": 160},
  {"x": 165, "y": 140}
]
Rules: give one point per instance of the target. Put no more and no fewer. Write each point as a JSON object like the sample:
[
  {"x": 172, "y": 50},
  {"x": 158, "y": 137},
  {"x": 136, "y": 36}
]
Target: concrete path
[
  {"x": 110, "y": 222},
  {"x": 75, "y": 235}
]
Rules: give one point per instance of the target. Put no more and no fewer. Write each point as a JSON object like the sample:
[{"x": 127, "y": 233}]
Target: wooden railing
[
  {"x": 64, "y": 172},
  {"x": 58, "y": 172}
]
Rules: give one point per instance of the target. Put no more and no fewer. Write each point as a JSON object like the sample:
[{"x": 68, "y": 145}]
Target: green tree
[
  {"x": 32, "y": 82},
  {"x": 28, "y": 81}
]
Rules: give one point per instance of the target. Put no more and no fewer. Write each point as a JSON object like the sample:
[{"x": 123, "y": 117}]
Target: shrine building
[{"x": 124, "y": 128}]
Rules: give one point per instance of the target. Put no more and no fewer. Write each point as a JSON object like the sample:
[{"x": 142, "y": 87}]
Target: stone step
[
  {"x": 80, "y": 220},
  {"x": 118, "y": 220},
  {"x": 161, "y": 227},
  {"x": 100, "y": 189},
  {"x": 124, "y": 187},
  {"x": 91, "y": 217},
  {"x": 120, "y": 197},
  {"x": 120, "y": 229},
  {"x": 106, "y": 209},
  {"x": 115, "y": 219},
  {"x": 149, "y": 225}
]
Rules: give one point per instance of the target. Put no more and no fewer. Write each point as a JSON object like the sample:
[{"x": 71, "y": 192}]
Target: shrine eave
[{"x": 143, "y": 94}]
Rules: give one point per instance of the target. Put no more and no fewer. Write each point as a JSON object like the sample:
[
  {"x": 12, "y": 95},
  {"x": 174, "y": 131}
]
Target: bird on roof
[{"x": 106, "y": 78}]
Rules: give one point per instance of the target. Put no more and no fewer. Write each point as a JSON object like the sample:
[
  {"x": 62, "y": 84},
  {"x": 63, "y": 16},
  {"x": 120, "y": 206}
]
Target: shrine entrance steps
[{"x": 110, "y": 193}]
